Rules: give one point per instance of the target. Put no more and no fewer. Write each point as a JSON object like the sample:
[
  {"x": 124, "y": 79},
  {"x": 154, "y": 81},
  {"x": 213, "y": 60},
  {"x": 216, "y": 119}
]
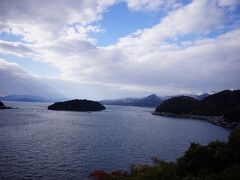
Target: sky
[{"x": 104, "y": 49}]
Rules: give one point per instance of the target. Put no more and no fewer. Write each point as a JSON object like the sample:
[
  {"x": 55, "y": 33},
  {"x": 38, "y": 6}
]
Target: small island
[
  {"x": 2, "y": 106},
  {"x": 77, "y": 105}
]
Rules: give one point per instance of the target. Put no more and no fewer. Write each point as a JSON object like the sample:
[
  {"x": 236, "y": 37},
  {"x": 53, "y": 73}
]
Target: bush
[{"x": 234, "y": 140}]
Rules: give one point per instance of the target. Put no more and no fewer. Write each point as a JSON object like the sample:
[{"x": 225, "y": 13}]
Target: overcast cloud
[
  {"x": 14, "y": 80},
  {"x": 177, "y": 55}
]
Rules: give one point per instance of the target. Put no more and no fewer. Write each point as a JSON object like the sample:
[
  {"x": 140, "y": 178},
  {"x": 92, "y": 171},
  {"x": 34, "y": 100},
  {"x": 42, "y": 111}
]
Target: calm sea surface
[{"x": 36, "y": 143}]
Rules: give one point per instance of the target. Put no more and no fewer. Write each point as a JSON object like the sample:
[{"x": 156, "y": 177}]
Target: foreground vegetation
[{"x": 215, "y": 161}]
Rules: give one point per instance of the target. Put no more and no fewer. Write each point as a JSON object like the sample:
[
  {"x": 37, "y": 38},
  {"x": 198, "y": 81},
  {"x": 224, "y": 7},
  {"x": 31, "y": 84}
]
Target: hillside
[
  {"x": 225, "y": 103},
  {"x": 219, "y": 103},
  {"x": 178, "y": 105}
]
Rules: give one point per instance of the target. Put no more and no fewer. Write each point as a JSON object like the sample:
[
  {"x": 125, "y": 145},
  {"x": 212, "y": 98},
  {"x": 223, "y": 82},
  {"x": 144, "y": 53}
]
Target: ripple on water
[{"x": 39, "y": 144}]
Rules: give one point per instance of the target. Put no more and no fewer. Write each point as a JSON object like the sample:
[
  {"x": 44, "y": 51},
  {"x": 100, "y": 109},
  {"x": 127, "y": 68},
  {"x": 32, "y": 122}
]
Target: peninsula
[{"x": 222, "y": 109}]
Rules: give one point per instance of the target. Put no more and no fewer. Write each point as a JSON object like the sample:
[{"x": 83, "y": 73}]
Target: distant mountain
[
  {"x": 149, "y": 101},
  {"x": 27, "y": 98},
  {"x": 225, "y": 103},
  {"x": 178, "y": 105}
]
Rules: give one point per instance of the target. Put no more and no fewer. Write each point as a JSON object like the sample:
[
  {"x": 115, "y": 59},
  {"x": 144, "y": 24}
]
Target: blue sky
[
  {"x": 120, "y": 48},
  {"x": 10, "y": 37},
  {"x": 118, "y": 21},
  {"x": 35, "y": 67}
]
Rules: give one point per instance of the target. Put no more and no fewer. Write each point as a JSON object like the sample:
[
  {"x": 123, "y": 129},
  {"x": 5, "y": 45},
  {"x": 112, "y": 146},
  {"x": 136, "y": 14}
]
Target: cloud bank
[
  {"x": 15, "y": 80},
  {"x": 194, "y": 48}
]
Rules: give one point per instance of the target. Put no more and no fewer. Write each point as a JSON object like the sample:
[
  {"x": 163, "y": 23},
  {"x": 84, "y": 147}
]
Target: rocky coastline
[{"x": 216, "y": 120}]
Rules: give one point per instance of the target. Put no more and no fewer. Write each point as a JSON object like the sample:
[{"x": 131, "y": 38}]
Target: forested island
[
  {"x": 77, "y": 105},
  {"x": 221, "y": 108}
]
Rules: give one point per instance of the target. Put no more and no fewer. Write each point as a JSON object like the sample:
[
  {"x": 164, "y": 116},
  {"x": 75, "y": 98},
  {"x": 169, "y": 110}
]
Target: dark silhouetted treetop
[
  {"x": 77, "y": 105},
  {"x": 2, "y": 106},
  {"x": 219, "y": 103},
  {"x": 178, "y": 105}
]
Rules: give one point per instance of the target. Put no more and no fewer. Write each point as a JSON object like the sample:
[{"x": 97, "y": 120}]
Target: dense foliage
[
  {"x": 215, "y": 161},
  {"x": 219, "y": 103},
  {"x": 77, "y": 105},
  {"x": 225, "y": 103},
  {"x": 178, "y": 105}
]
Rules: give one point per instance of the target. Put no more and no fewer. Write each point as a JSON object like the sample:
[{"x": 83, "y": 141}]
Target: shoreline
[{"x": 216, "y": 120}]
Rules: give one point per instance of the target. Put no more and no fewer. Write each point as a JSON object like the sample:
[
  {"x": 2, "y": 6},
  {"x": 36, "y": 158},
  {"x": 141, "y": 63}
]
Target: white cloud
[
  {"x": 45, "y": 20},
  {"x": 199, "y": 17},
  {"x": 38, "y": 21},
  {"x": 228, "y": 2},
  {"x": 201, "y": 65},
  {"x": 17, "y": 48},
  {"x": 141, "y": 5}
]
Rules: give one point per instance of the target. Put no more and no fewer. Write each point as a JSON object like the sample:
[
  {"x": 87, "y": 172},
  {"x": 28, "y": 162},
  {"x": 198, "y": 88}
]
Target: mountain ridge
[
  {"x": 28, "y": 98},
  {"x": 151, "y": 101}
]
